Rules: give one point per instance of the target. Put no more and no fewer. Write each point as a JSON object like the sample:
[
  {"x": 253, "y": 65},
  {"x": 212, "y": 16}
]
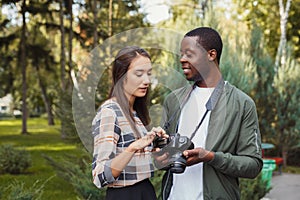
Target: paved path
[{"x": 284, "y": 187}]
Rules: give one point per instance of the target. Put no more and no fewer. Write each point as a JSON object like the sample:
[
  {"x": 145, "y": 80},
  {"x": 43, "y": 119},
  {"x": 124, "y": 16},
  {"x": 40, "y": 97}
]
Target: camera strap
[{"x": 211, "y": 103}]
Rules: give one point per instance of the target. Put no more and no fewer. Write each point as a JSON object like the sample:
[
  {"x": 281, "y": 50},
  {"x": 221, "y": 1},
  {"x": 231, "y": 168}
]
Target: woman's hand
[
  {"x": 147, "y": 139},
  {"x": 159, "y": 132},
  {"x": 141, "y": 143},
  {"x": 161, "y": 138}
]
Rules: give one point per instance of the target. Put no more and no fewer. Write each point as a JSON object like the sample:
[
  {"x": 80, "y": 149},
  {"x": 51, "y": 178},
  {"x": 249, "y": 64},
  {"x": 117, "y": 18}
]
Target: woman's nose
[{"x": 147, "y": 79}]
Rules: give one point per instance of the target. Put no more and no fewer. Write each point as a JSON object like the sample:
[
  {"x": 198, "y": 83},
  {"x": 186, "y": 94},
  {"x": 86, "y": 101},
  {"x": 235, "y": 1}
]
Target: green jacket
[{"x": 233, "y": 134}]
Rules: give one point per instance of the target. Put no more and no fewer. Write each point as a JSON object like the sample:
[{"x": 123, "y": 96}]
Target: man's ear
[{"x": 212, "y": 55}]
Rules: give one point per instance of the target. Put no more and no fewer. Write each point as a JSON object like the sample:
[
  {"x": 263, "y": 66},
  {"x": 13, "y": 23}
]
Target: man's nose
[
  {"x": 183, "y": 62},
  {"x": 183, "y": 59}
]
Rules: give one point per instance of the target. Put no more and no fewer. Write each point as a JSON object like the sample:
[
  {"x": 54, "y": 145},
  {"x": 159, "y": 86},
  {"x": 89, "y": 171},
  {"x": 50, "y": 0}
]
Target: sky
[{"x": 155, "y": 9}]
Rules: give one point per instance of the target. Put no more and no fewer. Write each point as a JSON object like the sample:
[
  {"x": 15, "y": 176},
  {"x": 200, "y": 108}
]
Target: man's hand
[{"x": 197, "y": 155}]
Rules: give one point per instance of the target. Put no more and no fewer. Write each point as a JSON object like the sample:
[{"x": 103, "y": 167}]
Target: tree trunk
[
  {"x": 23, "y": 64},
  {"x": 204, "y": 5},
  {"x": 95, "y": 32},
  {"x": 62, "y": 48},
  {"x": 281, "y": 51},
  {"x": 44, "y": 95},
  {"x": 70, "y": 10},
  {"x": 62, "y": 68},
  {"x": 110, "y": 18},
  {"x": 284, "y": 156}
]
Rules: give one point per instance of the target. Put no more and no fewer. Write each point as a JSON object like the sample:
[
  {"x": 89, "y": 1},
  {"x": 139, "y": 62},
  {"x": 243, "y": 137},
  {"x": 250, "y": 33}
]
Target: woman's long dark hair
[{"x": 120, "y": 67}]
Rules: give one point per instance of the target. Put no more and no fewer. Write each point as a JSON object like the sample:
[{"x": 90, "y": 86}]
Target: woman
[{"x": 122, "y": 146}]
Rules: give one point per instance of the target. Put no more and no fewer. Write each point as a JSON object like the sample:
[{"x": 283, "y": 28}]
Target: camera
[{"x": 174, "y": 146}]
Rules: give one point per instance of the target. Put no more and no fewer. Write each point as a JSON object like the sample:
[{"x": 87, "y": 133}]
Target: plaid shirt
[{"x": 112, "y": 135}]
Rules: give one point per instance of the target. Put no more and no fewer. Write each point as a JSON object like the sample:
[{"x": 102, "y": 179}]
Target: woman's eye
[{"x": 139, "y": 74}]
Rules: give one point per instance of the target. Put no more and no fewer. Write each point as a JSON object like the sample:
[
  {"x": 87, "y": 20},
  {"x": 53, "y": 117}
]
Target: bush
[
  {"x": 78, "y": 172},
  {"x": 253, "y": 189},
  {"x": 293, "y": 157},
  {"x": 13, "y": 161},
  {"x": 5, "y": 116},
  {"x": 17, "y": 191}
]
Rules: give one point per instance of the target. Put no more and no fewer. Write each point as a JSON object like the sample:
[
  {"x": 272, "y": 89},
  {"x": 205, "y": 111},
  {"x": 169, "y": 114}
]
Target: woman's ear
[{"x": 212, "y": 55}]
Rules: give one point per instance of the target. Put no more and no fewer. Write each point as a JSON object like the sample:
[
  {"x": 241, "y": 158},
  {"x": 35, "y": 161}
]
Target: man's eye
[{"x": 189, "y": 55}]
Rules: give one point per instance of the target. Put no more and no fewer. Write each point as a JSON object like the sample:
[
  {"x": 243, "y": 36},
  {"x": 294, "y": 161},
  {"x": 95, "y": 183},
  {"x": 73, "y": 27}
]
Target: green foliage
[
  {"x": 16, "y": 190},
  {"x": 292, "y": 169},
  {"x": 78, "y": 172},
  {"x": 64, "y": 112},
  {"x": 266, "y": 15},
  {"x": 125, "y": 15},
  {"x": 253, "y": 189},
  {"x": 43, "y": 139},
  {"x": 13, "y": 161},
  {"x": 293, "y": 157},
  {"x": 186, "y": 15},
  {"x": 156, "y": 181},
  {"x": 8, "y": 52},
  {"x": 239, "y": 69},
  {"x": 237, "y": 64},
  {"x": 286, "y": 124}
]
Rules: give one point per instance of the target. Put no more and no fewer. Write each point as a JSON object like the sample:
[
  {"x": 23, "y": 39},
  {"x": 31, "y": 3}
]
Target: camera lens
[
  {"x": 178, "y": 166},
  {"x": 182, "y": 140}
]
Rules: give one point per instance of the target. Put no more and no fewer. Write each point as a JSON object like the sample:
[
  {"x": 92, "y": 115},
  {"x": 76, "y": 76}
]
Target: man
[{"x": 221, "y": 121}]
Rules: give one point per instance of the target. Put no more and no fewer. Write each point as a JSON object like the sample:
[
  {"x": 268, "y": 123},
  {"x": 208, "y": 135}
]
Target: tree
[
  {"x": 41, "y": 61},
  {"x": 286, "y": 85},
  {"x": 263, "y": 92},
  {"x": 24, "y": 59},
  {"x": 186, "y": 14},
  {"x": 281, "y": 51},
  {"x": 276, "y": 56},
  {"x": 23, "y": 66},
  {"x": 8, "y": 38},
  {"x": 264, "y": 14},
  {"x": 286, "y": 123}
]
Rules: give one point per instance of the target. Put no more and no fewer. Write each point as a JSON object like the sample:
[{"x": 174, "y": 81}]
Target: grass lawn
[
  {"x": 42, "y": 140},
  {"x": 291, "y": 169},
  {"x": 46, "y": 140}
]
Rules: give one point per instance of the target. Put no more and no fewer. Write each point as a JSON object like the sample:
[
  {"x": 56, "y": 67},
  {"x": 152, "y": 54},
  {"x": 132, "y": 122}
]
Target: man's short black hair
[{"x": 208, "y": 38}]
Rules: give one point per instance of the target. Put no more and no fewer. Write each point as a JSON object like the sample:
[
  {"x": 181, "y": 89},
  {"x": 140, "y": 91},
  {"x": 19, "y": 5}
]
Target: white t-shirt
[{"x": 189, "y": 185}]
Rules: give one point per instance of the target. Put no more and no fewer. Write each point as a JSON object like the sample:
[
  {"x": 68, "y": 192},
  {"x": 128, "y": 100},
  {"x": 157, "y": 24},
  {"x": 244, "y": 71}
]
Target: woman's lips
[{"x": 143, "y": 89}]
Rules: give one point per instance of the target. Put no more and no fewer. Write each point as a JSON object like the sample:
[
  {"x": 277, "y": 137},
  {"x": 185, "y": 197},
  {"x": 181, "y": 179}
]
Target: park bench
[{"x": 278, "y": 160}]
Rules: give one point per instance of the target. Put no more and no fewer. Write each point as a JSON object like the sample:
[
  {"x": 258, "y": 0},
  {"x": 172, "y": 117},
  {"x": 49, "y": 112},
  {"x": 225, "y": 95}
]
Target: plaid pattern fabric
[{"x": 112, "y": 135}]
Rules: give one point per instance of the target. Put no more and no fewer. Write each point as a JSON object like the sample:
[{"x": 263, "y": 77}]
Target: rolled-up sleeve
[{"x": 105, "y": 138}]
